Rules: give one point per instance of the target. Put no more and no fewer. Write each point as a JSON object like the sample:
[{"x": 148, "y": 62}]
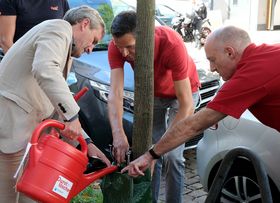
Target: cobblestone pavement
[{"x": 193, "y": 191}]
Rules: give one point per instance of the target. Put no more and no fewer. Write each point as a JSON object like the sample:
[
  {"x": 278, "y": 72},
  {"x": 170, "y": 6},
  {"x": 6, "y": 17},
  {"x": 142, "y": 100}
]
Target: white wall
[
  {"x": 262, "y": 12},
  {"x": 277, "y": 13},
  {"x": 222, "y": 6},
  {"x": 247, "y": 14}
]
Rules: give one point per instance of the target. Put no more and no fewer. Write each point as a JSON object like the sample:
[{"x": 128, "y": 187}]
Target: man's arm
[
  {"x": 93, "y": 151},
  {"x": 115, "y": 109},
  {"x": 7, "y": 31},
  {"x": 180, "y": 133},
  {"x": 188, "y": 129},
  {"x": 184, "y": 96},
  {"x": 48, "y": 71}
]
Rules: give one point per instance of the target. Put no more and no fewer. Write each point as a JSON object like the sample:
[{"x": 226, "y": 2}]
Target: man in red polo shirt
[
  {"x": 252, "y": 78},
  {"x": 176, "y": 86}
]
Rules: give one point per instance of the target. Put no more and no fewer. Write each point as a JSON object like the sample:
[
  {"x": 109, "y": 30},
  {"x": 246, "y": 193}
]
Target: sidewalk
[{"x": 193, "y": 191}]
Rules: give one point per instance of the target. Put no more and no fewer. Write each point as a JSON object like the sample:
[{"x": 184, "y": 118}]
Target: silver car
[{"x": 241, "y": 184}]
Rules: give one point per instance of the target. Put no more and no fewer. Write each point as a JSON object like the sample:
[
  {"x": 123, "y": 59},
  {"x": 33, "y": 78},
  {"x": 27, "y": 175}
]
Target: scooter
[
  {"x": 201, "y": 33},
  {"x": 192, "y": 29},
  {"x": 184, "y": 27}
]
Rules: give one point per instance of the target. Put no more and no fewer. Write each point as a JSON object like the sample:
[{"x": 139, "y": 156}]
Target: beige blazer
[{"x": 32, "y": 82}]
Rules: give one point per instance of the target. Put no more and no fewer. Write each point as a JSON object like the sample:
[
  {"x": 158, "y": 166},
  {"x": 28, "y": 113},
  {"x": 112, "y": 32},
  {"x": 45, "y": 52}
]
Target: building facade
[{"x": 249, "y": 14}]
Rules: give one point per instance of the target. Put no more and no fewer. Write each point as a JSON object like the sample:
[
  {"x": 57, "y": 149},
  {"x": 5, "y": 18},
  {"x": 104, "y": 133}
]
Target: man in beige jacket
[{"x": 33, "y": 87}]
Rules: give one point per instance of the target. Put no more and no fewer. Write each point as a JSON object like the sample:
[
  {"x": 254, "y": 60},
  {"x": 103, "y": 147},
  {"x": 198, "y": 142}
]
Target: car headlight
[{"x": 102, "y": 92}]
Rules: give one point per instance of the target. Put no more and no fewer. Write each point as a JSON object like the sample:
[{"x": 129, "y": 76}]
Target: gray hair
[
  {"x": 234, "y": 36},
  {"x": 77, "y": 14}
]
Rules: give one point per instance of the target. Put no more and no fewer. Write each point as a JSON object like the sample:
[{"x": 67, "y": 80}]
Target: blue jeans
[{"x": 173, "y": 161}]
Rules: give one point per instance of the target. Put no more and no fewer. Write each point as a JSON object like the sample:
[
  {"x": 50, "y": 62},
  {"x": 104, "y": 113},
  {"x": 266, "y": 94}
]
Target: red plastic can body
[{"x": 53, "y": 171}]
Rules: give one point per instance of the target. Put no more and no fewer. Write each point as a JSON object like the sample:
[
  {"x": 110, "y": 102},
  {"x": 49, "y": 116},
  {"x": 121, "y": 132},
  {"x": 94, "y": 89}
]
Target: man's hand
[
  {"x": 72, "y": 129},
  {"x": 139, "y": 165},
  {"x": 120, "y": 146},
  {"x": 93, "y": 151}
]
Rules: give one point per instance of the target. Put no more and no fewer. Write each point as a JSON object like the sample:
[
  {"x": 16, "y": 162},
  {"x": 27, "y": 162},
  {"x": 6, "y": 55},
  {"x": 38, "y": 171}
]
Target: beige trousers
[{"x": 8, "y": 166}]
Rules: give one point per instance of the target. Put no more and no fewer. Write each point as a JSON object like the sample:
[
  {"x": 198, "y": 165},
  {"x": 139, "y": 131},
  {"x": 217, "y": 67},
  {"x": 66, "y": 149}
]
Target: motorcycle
[
  {"x": 192, "y": 29},
  {"x": 201, "y": 32},
  {"x": 184, "y": 27}
]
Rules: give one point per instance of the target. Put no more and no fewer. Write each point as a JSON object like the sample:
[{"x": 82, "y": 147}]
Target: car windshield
[{"x": 108, "y": 9}]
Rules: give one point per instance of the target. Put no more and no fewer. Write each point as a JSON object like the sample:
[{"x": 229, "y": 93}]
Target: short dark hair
[{"x": 123, "y": 23}]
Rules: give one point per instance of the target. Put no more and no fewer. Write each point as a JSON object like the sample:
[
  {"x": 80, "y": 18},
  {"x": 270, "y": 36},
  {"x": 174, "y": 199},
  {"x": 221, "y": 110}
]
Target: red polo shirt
[
  {"x": 171, "y": 62},
  {"x": 255, "y": 86}
]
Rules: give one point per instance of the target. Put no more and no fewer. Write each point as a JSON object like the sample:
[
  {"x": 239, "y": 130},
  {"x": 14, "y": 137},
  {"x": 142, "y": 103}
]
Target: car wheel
[
  {"x": 241, "y": 184},
  {"x": 240, "y": 189}
]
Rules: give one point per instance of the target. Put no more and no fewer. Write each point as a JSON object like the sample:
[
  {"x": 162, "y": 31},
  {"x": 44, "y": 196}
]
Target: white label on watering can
[{"x": 62, "y": 187}]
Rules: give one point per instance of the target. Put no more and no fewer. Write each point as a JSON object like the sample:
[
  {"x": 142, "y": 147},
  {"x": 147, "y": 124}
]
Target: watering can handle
[
  {"x": 80, "y": 93},
  {"x": 55, "y": 124}
]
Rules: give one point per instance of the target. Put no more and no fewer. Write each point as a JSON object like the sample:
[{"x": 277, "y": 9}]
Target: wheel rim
[
  {"x": 240, "y": 189},
  {"x": 205, "y": 31}
]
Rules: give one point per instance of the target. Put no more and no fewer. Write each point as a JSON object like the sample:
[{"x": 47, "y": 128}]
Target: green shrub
[{"x": 91, "y": 194}]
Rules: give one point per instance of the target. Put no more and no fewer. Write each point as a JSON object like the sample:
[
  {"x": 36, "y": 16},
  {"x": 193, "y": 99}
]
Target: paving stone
[
  {"x": 191, "y": 181},
  {"x": 197, "y": 186},
  {"x": 197, "y": 193},
  {"x": 187, "y": 199},
  {"x": 199, "y": 199},
  {"x": 187, "y": 190}
]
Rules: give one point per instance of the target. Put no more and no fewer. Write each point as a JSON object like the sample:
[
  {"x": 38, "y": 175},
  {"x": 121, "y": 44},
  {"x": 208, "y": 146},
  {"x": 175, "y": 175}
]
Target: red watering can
[{"x": 55, "y": 169}]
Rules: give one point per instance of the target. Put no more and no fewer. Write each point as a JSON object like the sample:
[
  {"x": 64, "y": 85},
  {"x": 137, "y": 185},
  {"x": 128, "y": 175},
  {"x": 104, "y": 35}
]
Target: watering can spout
[{"x": 91, "y": 177}]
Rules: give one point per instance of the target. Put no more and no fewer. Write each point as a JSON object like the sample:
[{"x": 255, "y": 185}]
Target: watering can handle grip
[
  {"x": 55, "y": 124},
  {"x": 80, "y": 93}
]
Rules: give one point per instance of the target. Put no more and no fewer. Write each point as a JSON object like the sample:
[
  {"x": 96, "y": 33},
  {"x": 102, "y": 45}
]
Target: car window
[{"x": 165, "y": 11}]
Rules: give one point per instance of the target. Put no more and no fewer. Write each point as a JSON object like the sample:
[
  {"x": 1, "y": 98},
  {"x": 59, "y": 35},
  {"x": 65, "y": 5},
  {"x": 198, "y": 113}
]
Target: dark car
[{"x": 93, "y": 71}]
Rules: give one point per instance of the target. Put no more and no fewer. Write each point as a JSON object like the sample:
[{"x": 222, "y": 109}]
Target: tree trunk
[{"x": 144, "y": 77}]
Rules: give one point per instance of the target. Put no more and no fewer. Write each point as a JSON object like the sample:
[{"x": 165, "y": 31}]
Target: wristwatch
[
  {"x": 88, "y": 141},
  {"x": 153, "y": 154}
]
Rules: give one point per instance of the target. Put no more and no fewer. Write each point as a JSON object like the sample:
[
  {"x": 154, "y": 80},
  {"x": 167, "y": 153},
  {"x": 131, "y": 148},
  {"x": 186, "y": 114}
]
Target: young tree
[{"x": 144, "y": 77}]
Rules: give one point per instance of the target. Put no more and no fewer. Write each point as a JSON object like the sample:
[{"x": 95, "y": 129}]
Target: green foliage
[
  {"x": 117, "y": 185},
  {"x": 90, "y": 194},
  {"x": 107, "y": 14},
  {"x": 126, "y": 188}
]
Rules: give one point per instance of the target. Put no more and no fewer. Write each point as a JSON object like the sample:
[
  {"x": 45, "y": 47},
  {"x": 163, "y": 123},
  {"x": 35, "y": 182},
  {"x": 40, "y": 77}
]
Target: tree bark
[{"x": 144, "y": 77}]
